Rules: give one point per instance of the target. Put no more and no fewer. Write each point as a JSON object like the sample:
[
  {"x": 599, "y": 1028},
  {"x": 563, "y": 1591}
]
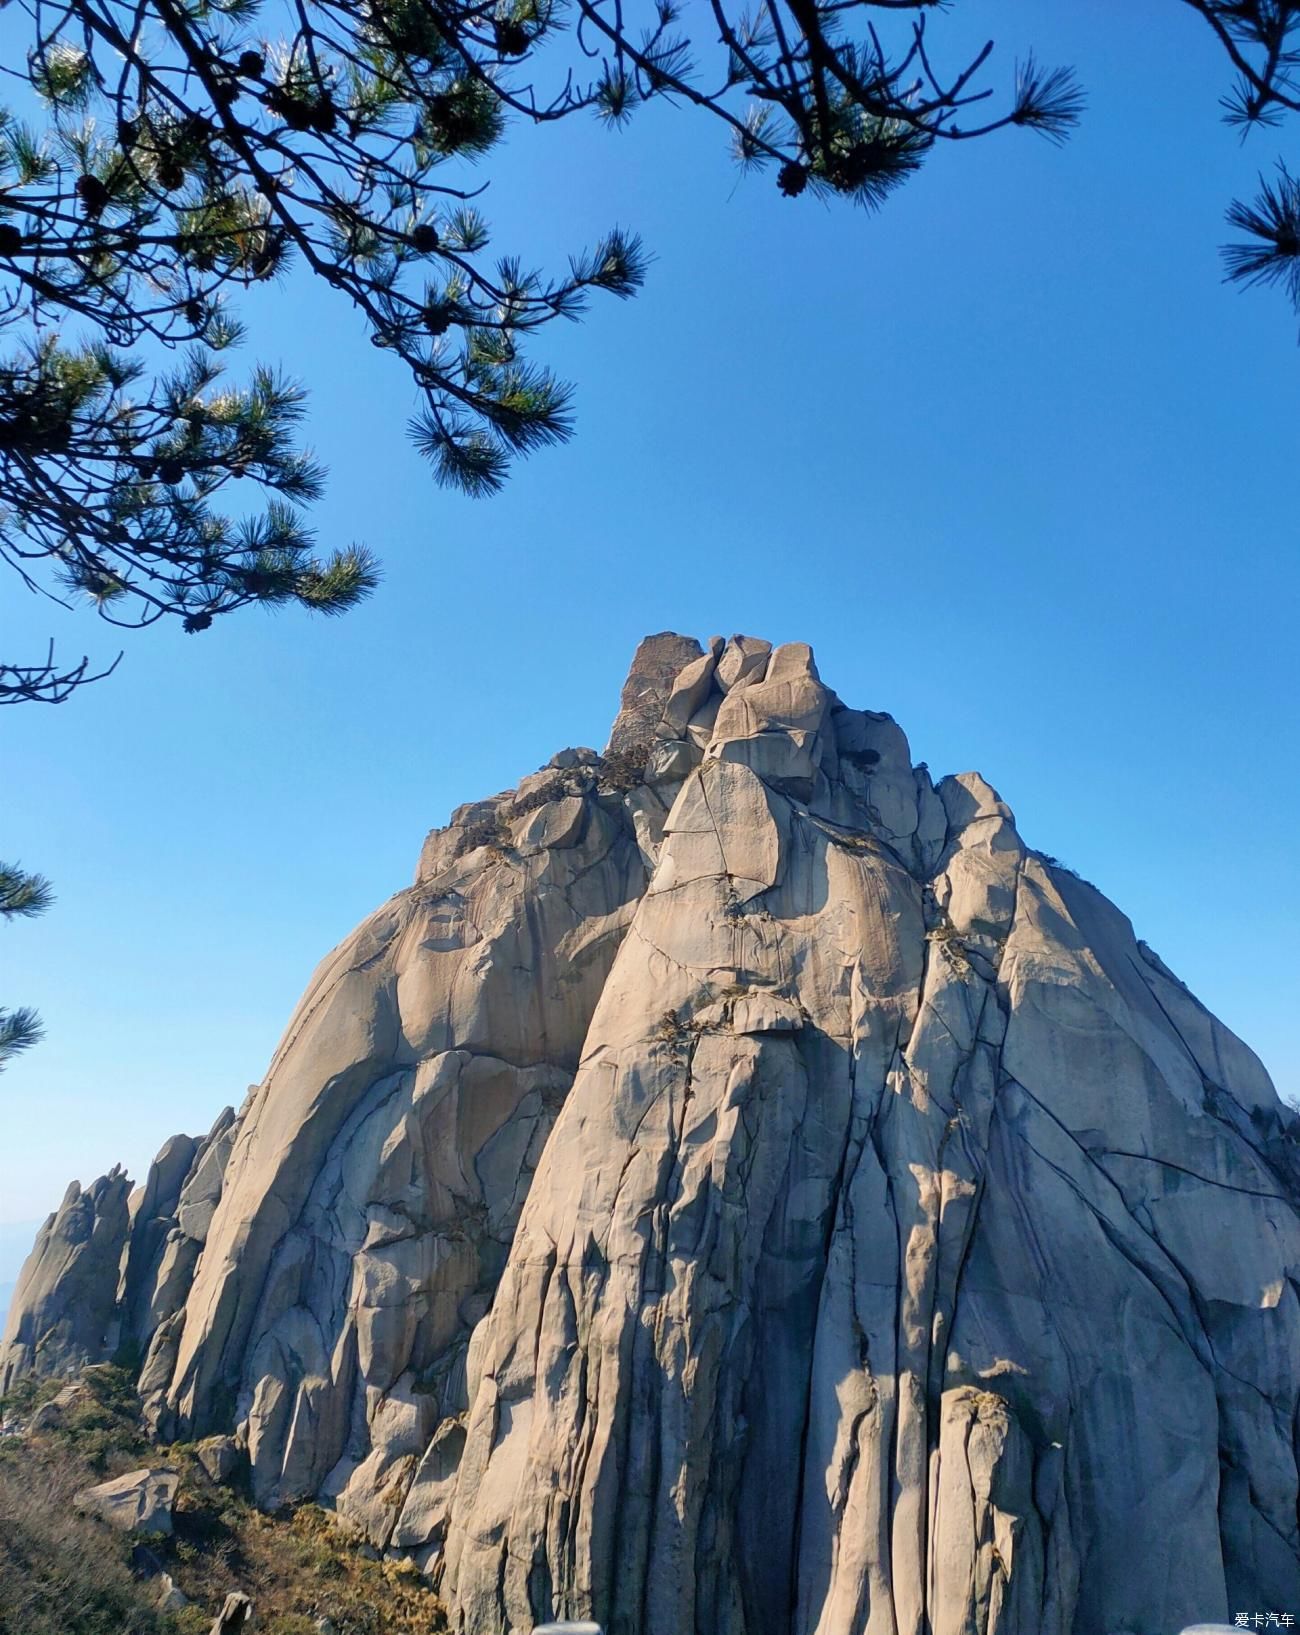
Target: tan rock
[
  {"x": 688, "y": 693},
  {"x": 774, "y": 726},
  {"x": 809, "y": 1321},
  {"x": 236, "y": 1615},
  {"x": 744, "y": 660}
]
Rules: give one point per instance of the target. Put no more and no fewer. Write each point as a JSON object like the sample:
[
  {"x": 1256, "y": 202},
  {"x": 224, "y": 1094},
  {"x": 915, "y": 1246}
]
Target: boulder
[
  {"x": 138, "y": 1502},
  {"x": 171, "y": 1598},
  {"x": 219, "y": 1456},
  {"x": 236, "y": 1614},
  {"x": 744, "y": 659}
]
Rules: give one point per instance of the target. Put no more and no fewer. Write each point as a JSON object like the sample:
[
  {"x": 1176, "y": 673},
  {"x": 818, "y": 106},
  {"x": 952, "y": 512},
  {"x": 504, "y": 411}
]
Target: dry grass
[
  {"x": 623, "y": 769},
  {"x": 297, "y": 1567},
  {"x": 66, "y": 1574},
  {"x": 61, "y": 1573}
]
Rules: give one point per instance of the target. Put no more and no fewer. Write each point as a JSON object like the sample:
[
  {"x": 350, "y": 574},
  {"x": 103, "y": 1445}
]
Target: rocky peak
[
  {"x": 654, "y": 667},
  {"x": 739, "y": 1186}
]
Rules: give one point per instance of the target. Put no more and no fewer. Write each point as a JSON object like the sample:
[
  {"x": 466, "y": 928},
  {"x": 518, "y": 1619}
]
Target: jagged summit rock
[
  {"x": 655, "y": 666},
  {"x": 741, "y": 1186},
  {"x": 64, "y": 1313}
]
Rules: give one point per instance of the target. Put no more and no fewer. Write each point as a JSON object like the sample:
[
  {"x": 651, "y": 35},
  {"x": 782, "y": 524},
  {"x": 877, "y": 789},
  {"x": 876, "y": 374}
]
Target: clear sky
[{"x": 1007, "y": 454}]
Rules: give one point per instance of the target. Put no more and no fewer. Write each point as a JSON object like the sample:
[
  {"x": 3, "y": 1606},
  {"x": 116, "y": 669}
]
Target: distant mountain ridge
[{"x": 740, "y": 1187}]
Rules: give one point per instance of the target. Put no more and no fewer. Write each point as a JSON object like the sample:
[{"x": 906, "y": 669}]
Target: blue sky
[{"x": 1008, "y": 454}]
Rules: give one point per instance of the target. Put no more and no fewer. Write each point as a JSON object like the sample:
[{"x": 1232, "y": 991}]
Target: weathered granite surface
[
  {"x": 140, "y": 1501},
  {"x": 740, "y": 1187},
  {"x": 64, "y": 1311}
]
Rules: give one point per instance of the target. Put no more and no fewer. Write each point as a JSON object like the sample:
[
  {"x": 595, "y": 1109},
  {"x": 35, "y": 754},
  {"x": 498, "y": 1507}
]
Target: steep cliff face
[
  {"x": 64, "y": 1313},
  {"x": 742, "y": 1187}
]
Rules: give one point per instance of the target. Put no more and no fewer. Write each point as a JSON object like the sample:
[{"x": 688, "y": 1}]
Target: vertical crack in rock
[{"x": 877, "y": 1240}]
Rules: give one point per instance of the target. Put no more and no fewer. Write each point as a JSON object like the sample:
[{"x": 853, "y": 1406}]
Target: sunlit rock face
[{"x": 740, "y": 1187}]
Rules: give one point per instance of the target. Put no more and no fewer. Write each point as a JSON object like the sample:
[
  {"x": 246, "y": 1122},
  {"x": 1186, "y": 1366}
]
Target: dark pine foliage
[
  {"x": 22, "y": 896},
  {"x": 1262, "y": 41},
  {"x": 183, "y": 150}
]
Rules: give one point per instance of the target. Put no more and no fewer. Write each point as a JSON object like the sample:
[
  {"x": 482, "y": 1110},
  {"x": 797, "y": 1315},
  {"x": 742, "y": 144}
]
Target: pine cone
[
  {"x": 511, "y": 37},
  {"x": 792, "y": 179},
  {"x": 92, "y": 193},
  {"x": 296, "y": 115}
]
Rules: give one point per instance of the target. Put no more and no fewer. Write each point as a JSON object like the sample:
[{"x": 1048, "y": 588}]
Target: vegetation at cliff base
[{"x": 64, "y": 1573}]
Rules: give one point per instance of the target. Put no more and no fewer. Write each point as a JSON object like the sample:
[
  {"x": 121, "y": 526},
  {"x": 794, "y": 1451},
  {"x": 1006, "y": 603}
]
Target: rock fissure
[
  {"x": 1108, "y": 1226},
  {"x": 1195, "y": 1175}
]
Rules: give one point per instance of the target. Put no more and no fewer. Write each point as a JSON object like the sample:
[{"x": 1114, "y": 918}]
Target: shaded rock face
[
  {"x": 64, "y": 1314},
  {"x": 138, "y": 1502},
  {"x": 741, "y": 1187},
  {"x": 658, "y": 661}
]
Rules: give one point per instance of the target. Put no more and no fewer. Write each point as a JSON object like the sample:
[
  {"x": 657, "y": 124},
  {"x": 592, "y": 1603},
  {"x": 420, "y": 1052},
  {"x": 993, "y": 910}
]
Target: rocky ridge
[{"x": 739, "y": 1185}]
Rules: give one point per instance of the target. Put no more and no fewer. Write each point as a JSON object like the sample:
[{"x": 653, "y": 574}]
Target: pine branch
[
  {"x": 1272, "y": 221},
  {"x": 22, "y": 894},
  {"x": 176, "y": 167},
  {"x": 20, "y": 1029}
]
